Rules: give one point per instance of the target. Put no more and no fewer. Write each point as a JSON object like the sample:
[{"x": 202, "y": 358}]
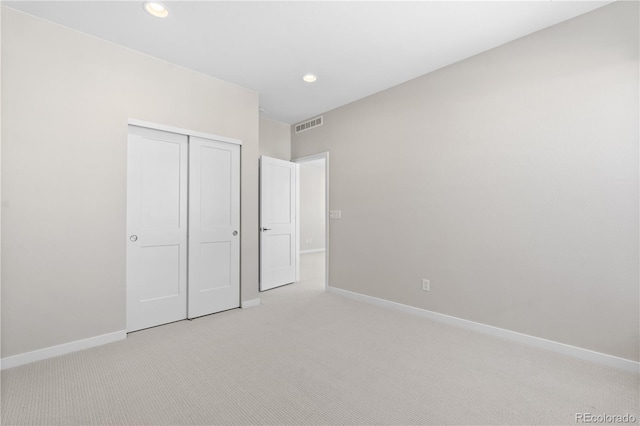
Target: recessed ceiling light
[
  {"x": 156, "y": 9},
  {"x": 309, "y": 78}
]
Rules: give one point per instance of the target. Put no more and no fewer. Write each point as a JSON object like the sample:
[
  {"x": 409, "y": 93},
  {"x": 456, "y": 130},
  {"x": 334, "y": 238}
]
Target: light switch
[{"x": 335, "y": 214}]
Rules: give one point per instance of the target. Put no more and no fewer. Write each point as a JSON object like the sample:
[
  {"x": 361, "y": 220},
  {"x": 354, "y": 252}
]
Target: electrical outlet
[
  {"x": 335, "y": 214},
  {"x": 426, "y": 285}
]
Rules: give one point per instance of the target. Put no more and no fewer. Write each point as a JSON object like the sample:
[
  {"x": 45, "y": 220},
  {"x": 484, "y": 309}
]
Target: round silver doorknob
[
  {"x": 235, "y": 233},
  {"x": 133, "y": 238}
]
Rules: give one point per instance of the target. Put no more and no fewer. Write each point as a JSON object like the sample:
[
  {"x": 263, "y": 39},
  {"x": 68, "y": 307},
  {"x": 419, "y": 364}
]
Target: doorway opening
[{"x": 313, "y": 220}]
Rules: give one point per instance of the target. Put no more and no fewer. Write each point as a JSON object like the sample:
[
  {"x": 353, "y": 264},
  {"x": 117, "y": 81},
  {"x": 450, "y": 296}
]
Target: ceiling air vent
[{"x": 309, "y": 124}]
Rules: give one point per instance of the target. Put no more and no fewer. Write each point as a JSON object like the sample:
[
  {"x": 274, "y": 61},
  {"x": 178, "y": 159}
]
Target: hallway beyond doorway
[{"x": 312, "y": 269}]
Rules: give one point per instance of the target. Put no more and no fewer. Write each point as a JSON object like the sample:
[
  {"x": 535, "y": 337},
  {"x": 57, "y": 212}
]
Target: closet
[{"x": 183, "y": 222}]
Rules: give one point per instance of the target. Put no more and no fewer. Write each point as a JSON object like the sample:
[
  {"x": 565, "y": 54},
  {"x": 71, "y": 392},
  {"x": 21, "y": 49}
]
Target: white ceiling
[{"x": 355, "y": 48}]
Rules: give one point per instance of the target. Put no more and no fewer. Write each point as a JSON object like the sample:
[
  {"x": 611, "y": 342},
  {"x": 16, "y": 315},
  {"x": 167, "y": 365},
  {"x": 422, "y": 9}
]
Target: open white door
[
  {"x": 156, "y": 228},
  {"x": 277, "y": 222},
  {"x": 214, "y": 225}
]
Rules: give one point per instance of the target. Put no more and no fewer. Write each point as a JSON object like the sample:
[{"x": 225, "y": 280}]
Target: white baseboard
[
  {"x": 249, "y": 303},
  {"x": 311, "y": 251},
  {"x": 576, "y": 352},
  {"x": 65, "y": 348}
]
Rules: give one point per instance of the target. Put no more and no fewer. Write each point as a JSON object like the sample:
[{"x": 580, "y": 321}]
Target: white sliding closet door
[
  {"x": 156, "y": 228},
  {"x": 214, "y": 226},
  {"x": 183, "y": 224}
]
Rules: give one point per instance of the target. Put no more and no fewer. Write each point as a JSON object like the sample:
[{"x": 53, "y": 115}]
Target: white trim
[
  {"x": 249, "y": 303},
  {"x": 313, "y": 157},
  {"x": 311, "y": 251},
  {"x": 65, "y": 348},
  {"x": 297, "y": 239},
  {"x": 181, "y": 131},
  {"x": 576, "y": 352}
]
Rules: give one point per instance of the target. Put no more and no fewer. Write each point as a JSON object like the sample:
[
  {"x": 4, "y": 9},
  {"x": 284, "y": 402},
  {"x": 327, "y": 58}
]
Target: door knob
[
  {"x": 265, "y": 229},
  {"x": 133, "y": 238},
  {"x": 235, "y": 233}
]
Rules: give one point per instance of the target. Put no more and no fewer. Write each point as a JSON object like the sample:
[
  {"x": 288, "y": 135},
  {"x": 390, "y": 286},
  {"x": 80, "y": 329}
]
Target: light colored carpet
[{"x": 309, "y": 357}]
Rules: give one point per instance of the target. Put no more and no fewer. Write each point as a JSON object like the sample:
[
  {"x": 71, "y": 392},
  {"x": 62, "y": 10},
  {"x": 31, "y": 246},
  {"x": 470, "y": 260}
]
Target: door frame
[
  {"x": 181, "y": 131},
  {"x": 305, "y": 159}
]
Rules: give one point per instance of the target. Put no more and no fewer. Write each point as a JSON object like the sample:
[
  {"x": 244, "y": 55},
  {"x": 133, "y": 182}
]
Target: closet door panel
[
  {"x": 156, "y": 228},
  {"x": 214, "y": 220}
]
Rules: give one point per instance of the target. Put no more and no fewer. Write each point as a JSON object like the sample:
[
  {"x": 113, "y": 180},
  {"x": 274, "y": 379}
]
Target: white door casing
[
  {"x": 156, "y": 253},
  {"x": 277, "y": 222},
  {"x": 214, "y": 226}
]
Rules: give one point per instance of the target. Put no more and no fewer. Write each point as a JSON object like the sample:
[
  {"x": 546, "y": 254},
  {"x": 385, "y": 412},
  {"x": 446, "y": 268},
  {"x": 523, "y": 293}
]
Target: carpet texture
[{"x": 305, "y": 356}]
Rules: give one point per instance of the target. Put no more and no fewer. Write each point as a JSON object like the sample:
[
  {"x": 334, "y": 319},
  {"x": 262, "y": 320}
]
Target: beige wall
[
  {"x": 65, "y": 104},
  {"x": 510, "y": 180},
  {"x": 312, "y": 210},
  {"x": 275, "y": 139}
]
